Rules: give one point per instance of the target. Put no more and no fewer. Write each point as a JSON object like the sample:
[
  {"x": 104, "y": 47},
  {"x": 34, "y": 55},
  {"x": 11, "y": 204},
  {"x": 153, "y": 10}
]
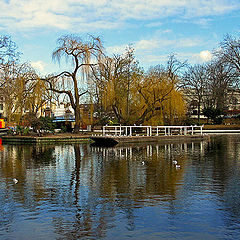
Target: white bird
[
  {"x": 143, "y": 162},
  {"x": 15, "y": 180},
  {"x": 178, "y": 166},
  {"x": 174, "y": 162}
]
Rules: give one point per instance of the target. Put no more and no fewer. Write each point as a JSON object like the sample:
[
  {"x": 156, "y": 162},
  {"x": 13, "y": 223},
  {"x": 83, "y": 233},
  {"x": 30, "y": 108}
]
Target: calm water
[{"x": 128, "y": 192}]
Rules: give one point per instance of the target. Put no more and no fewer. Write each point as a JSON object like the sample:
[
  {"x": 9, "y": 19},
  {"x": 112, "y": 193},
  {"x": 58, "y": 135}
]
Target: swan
[{"x": 175, "y": 162}]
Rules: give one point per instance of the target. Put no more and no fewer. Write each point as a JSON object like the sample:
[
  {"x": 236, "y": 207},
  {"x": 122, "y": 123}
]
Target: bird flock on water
[{"x": 174, "y": 162}]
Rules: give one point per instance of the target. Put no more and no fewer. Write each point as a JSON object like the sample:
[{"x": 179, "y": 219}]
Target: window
[{"x": 195, "y": 112}]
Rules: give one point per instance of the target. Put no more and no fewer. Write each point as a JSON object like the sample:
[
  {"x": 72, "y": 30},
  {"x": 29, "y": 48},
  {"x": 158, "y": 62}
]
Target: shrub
[
  {"x": 19, "y": 130},
  {"x": 47, "y": 124},
  {"x": 63, "y": 129},
  {"x": 214, "y": 114},
  {"x": 25, "y": 131},
  {"x": 10, "y": 131}
]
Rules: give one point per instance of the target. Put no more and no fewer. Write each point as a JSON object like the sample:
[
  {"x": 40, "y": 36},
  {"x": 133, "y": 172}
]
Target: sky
[{"x": 190, "y": 29}]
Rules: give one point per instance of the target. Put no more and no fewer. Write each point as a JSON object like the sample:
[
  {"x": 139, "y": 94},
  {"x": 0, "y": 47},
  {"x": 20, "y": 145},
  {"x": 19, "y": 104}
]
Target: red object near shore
[{"x": 2, "y": 123}]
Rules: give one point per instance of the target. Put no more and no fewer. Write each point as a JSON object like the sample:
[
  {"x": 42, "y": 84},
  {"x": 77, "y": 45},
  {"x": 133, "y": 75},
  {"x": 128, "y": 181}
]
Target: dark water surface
[{"x": 128, "y": 192}]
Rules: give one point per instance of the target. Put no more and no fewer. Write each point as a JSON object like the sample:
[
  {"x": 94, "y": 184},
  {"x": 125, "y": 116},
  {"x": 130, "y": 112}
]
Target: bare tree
[
  {"x": 83, "y": 54},
  {"x": 229, "y": 53},
  {"x": 8, "y": 50},
  {"x": 208, "y": 84},
  {"x": 221, "y": 78},
  {"x": 9, "y": 56},
  {"x": 195, "y": 83}
]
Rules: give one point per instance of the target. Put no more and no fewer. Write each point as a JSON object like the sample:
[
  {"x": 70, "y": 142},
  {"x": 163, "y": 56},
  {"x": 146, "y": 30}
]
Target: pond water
[{"x": 126, "y": 192}]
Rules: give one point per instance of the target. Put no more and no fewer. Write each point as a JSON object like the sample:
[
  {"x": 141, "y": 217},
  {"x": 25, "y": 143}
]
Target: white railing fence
[{"x": 151, "y": 130}]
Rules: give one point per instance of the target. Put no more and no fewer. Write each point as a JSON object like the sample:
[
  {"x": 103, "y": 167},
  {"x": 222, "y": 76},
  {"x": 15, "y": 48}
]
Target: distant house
[
  {"x": 63, "y": 115},
  {"x": 231, "y": 105}
]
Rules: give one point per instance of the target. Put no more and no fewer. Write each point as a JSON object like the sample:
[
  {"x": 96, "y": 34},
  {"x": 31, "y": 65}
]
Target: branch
[{"x": 51, "y": 88}]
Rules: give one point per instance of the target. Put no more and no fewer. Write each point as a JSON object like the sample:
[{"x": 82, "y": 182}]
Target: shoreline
[
  {"x": 53, "y": 138},
  {"x": 208, "y": 130},
  {"x": 80, "y": 138}
]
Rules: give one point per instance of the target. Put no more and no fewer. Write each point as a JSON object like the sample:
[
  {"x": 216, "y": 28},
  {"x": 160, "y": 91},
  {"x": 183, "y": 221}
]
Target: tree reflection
[
  {"x": 125, "y": 172},
  {"x": 88, "y": 218},
  {"x": 85, "y": 191},
  {"x": 223, "y": 155},
  {"x": 17, "y": 161},
  {"x": 103, "y": 181}
]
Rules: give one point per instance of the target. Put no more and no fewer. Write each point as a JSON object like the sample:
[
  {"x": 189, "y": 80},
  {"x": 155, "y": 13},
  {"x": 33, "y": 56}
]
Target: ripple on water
[{"x": 78, "y": 192}]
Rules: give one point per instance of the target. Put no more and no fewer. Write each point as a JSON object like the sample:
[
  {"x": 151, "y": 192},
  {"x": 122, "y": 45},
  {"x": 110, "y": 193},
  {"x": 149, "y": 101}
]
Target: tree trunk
[
  {"x": 77, "y": 120},
  {"x": 199, "y": 112}
]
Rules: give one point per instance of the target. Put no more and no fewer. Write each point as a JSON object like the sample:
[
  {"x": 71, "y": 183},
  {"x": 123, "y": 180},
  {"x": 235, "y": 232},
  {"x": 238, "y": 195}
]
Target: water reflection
[{"x": 131, "y": 191}]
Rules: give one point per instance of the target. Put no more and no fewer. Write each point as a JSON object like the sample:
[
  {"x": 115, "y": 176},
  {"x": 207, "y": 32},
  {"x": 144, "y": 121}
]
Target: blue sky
[{"x": 156, "y": 28}]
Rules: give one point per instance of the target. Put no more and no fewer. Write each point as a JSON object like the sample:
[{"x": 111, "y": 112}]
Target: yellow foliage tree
[
  {"x": 133, "y": 97},
  {"x": 116, "y": 84},
  {"x": 20, "y": 85},
  {"x": 161, "y": 102}
]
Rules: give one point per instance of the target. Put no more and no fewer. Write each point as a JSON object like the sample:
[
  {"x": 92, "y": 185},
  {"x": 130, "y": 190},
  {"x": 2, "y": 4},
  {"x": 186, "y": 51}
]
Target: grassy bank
[{"x": 221, "y": 127}]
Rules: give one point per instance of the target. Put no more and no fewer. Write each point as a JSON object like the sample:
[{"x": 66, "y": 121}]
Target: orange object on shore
[
  {"x": 2, "y": 123},
  {"x": 1, "y": 146}
]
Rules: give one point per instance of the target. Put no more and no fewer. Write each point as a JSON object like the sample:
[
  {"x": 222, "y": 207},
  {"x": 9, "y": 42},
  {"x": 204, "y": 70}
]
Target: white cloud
[
  {"x": 154, "y": 24},
  {"x": 157, "y": 50},
  {"x": 39, "y": 65},
  {"x": 205, "y": 55},
  {"x": 116, "y": 49},
  {"x": 158, "y": 44},
  {"x": 167, "y": 31},
  {"x": 204, "y": 22},
  {"x": 147, "y": 44},
  {"x": 158, "y": 58},
  {"x": 161, "y": 43},
  {"x": 152, "y": 59},
  {"x": 77, "y": 15},
  {"x": 188, "y": 42},
  {"x": 140, "y": 46}
]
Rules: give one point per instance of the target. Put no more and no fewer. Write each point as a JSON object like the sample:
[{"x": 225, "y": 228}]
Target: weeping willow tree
[
  {"x": 174, "y": 109},
  {"x": 83, "y": 55},
  {"x": 160, "y": 101},
  {"x": 116, "y": 86},
  {"x": 20, "y": 86},
  {"x": 37, "y": 96},
  {"x": 159, "y": 95},
  {"x": 20, "y": 82},
  {"x": 135, "y": 97}
]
